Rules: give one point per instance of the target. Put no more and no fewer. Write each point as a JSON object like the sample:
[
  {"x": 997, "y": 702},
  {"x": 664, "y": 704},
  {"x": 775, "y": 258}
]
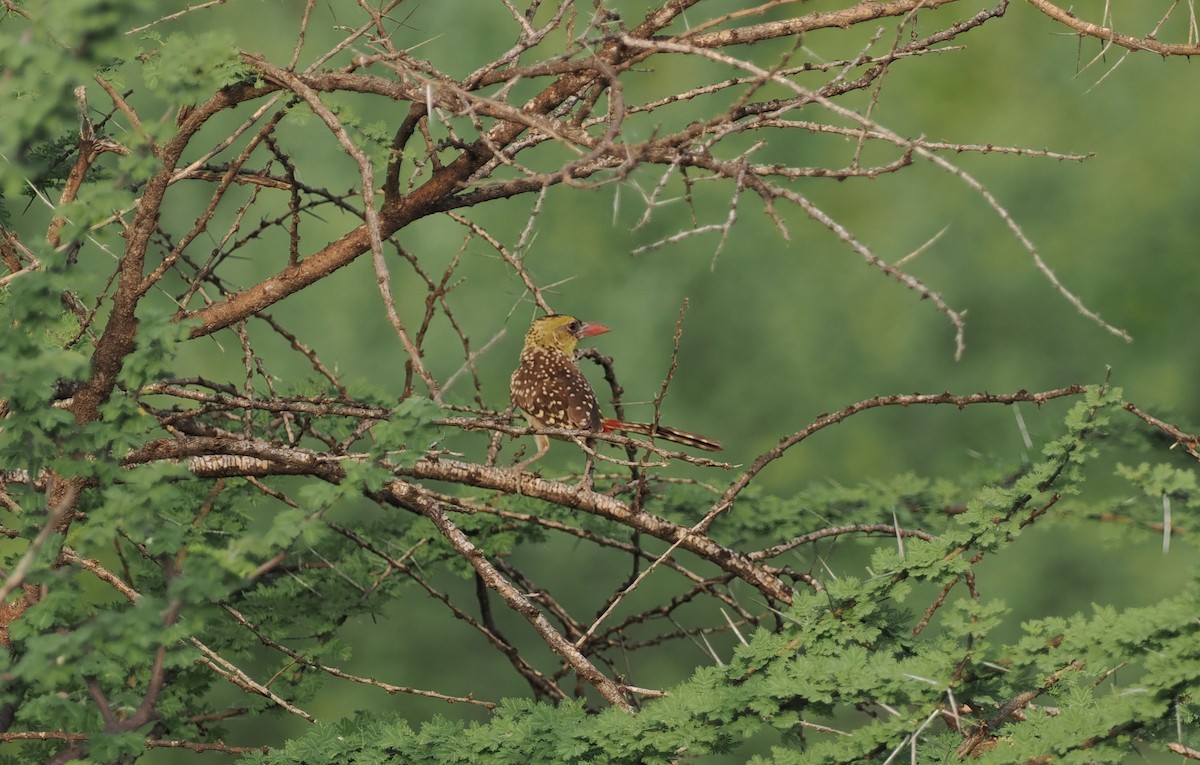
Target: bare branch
[
  {"x": 519, "y": 603},
  {"x": 1087, "y": 28}
]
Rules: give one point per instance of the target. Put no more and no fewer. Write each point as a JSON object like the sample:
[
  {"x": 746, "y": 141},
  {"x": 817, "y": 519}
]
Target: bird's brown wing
[{"x": 551, "y": 390}]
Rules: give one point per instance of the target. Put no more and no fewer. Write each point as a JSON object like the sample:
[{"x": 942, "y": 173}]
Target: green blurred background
[{"x": 780, "y": 330}]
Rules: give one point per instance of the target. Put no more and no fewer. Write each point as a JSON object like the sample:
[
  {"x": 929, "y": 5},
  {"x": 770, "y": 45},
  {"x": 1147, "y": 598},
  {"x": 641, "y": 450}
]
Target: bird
[{"x": 549, "y": 388}]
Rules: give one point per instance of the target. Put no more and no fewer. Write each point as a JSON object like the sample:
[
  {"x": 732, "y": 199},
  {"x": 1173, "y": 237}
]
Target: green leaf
[{"x": 189, "y": 68}]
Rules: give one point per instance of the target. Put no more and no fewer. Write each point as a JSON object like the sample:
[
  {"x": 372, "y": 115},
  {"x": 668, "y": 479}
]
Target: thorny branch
[{"x": 1109, "y": 35}]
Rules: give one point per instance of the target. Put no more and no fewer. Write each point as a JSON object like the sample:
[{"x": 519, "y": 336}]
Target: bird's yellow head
[{"x": 560, "y": 332}]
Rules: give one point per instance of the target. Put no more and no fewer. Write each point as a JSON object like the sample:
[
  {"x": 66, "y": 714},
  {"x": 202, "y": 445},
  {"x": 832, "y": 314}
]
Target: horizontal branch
[
  {"x": 213, "y": 457},
  {"x": 152, "y": 743},
  {"x": 864, "y": 11},
  {"x": 1088, "y": 29},
  {"x": 867, "y": 10},
  {"x": 308, "y": 661},
  {"x": 903, "y": 400}
]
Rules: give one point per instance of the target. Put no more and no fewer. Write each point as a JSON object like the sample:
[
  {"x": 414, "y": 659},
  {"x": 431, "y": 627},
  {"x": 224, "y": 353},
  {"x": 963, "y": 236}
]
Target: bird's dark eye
[{"x": 574, "y": 327}]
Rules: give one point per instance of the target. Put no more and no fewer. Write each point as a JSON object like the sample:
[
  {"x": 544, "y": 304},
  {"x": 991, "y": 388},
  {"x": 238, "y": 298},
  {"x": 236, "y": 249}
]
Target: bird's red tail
[{"x": 663, "y": 432}]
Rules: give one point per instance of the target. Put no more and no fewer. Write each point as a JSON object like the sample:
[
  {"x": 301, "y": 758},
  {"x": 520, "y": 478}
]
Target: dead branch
[{"x": 1109, "y": 35}]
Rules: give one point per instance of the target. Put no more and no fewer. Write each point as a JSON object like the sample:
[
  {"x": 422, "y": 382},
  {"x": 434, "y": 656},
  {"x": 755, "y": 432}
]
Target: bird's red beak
[{"x": 590, "y": 328}]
